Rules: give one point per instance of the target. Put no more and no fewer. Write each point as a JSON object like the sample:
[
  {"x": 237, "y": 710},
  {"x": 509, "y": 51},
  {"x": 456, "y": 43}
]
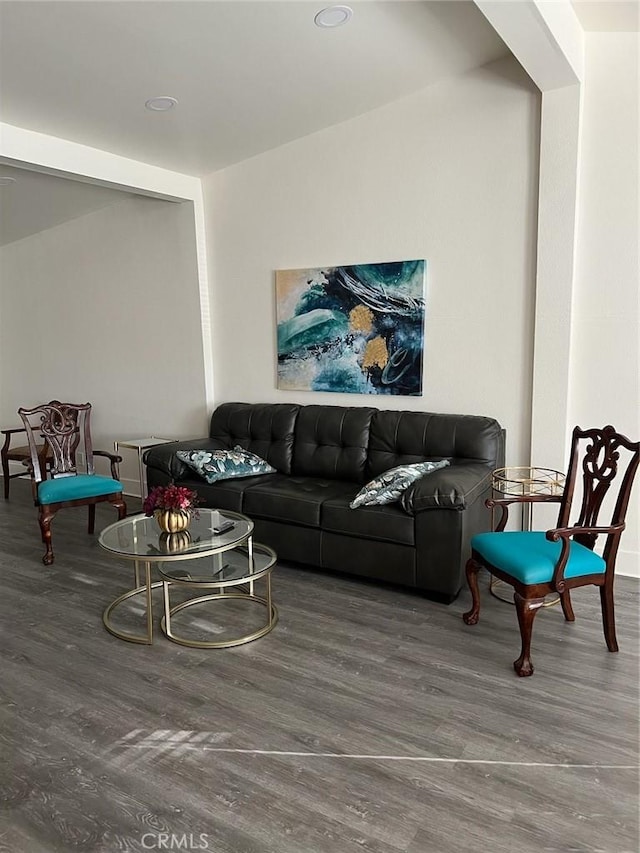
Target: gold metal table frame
[
  {"x": 137, "y": 538},
  {"x": 140, "y": 445},
  {"x": 146, "y": 639},
  {"x": 245, "y": 586}
]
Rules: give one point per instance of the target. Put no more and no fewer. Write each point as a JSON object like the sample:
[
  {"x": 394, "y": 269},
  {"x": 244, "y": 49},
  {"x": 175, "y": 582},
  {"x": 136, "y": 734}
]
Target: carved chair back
[
  {"x": 65, "y": 428},
  {"x": 601, "y": 461}
]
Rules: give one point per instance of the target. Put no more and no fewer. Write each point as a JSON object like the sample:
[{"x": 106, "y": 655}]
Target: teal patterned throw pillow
[
  {"x": 214, "y": 465},
  {"x": 389, "y": 486}
]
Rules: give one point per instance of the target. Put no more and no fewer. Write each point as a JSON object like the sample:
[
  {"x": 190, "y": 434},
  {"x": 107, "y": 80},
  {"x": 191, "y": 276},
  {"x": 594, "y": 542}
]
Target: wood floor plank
[{"x": 370, "y": 719}]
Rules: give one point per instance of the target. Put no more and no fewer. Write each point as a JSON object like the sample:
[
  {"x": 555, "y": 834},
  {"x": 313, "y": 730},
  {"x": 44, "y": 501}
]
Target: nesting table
[
  {"x": 228, "y": 566},
  {"x": 139, "y": 445}
]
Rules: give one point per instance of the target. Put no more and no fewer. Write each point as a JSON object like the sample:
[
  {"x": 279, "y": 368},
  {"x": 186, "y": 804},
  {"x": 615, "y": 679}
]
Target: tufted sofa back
[
  {"x": 332, "y": 442},
  {"x": 403, "y": 438},
  {"x": 353, "y": 444},
  {"x": 266, "y": 429}
]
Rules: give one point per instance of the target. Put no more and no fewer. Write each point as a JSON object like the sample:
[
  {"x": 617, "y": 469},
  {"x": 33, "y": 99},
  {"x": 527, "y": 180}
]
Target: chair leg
[
  {"x": 5, "y": 476},
  {"x": 471, "y": 616},
  {"x": 608, "y": 617},
  {"x": 567, "y": 608},
  {"x": 45, "y": 518},
  {"x": 526, "y": 609},
  {"x": 92, "y": 518},
  {"x": 122, "y": 509}
]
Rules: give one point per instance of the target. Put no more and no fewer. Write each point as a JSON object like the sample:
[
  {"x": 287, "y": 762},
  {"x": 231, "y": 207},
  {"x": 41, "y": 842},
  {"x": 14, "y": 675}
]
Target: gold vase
[
  {"x": 172, "y": 520},
  {"x": 172, "y": 543}
]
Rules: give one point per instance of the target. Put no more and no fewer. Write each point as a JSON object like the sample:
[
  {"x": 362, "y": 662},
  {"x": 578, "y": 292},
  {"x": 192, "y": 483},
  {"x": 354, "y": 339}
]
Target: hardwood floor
[{"x": 370, "y": 719}]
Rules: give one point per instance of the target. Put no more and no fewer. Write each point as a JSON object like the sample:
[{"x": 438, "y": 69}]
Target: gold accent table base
[
  {"x": 272, "y": 618},
  {"x": 147, "y": 639},
  {"x": 138, "y": 538}
]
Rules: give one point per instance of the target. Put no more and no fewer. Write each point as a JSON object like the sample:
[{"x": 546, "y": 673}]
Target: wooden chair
[
  {"x": 538, "y": 563},
  {"x": 17, "y": 454},
  {"x": 65, "y": 429}
]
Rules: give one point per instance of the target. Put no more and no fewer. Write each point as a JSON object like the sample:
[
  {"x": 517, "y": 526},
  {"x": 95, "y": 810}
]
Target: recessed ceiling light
[
  {"x": 161, "y": 104},
  {"x": 333, "y": 16},
  {"x": 6, "y": 181}
]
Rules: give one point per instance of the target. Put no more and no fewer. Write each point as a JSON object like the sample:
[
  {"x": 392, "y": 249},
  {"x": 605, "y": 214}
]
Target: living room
[{"x": 519, "y": 188}]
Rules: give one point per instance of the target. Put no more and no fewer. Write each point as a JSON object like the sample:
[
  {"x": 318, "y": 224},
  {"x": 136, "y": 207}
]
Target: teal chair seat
[
  {"x": 531, "y": 558},
  {"x": 76, "y": 488}
]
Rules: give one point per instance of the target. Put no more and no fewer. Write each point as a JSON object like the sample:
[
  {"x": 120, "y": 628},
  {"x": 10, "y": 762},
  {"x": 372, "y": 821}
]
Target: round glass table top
[
  {"x": 528, "y": 481},
  {"x": 138, "y": 537},
  {"x": 222, "y": 569}
]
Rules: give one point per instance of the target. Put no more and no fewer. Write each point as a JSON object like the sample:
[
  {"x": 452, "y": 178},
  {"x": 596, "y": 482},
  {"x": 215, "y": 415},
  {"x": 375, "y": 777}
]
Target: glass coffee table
[{"x": 197, "y": 559}]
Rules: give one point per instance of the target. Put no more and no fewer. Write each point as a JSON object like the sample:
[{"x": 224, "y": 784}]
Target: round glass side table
[{"x": 527, "y": 485}]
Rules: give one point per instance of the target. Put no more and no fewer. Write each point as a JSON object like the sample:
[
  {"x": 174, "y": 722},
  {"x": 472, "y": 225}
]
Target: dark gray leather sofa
[{"x": 323, "y": 456}]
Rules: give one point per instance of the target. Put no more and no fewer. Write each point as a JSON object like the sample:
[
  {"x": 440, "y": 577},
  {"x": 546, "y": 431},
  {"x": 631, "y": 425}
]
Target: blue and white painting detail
[{"x": 352, "y": 329}]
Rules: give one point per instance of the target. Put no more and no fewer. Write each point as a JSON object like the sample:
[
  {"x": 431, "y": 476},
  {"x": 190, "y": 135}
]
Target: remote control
[{"x": 224, "y": 526}]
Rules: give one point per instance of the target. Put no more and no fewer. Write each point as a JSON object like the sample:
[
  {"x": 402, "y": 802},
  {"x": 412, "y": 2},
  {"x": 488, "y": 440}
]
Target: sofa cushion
[
  {"x": 387, "y": 488},
  {"x": 331, "y": 442},
  {"x": 225, "y": 494},
  {"x": 294, "y": 499},
  {"x": 388, "y": 523},
  {"x": 403, "y": 438},
  {"x": 224, "y": 464},
  {"x": 265, "y": 429}
]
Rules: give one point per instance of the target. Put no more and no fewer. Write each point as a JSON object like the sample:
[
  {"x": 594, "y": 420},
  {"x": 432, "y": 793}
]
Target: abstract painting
[{"x": 352, "y": 329}]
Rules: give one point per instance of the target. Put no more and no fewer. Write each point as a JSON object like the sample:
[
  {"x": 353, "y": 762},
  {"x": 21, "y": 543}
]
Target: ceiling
[
  {"x": 36, "y": 202},
  {"x": 608, "y": 15},
  {"x": 248, "y": 76}
]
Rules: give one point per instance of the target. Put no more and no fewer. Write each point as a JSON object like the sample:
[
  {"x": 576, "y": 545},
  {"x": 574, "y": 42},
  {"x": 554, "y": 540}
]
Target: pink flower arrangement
[{"x": 170, "y": 497}]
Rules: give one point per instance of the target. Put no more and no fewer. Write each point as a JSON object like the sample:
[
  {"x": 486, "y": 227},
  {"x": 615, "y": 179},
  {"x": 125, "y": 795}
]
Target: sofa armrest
[
  {"x": 454, "y": 487},
  {"x": 163, "y": 457}
]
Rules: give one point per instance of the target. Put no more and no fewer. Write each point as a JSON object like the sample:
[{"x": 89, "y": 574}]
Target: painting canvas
[{"x": 355, "y": 329}]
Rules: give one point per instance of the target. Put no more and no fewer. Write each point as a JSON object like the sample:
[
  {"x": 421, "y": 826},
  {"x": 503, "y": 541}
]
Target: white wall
[
  {"x": 52, "y": 155},
  {"x": 605, "y": 349},
  {"x": 105, "y": 309},
  {"x": 450, "y": 175}
]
